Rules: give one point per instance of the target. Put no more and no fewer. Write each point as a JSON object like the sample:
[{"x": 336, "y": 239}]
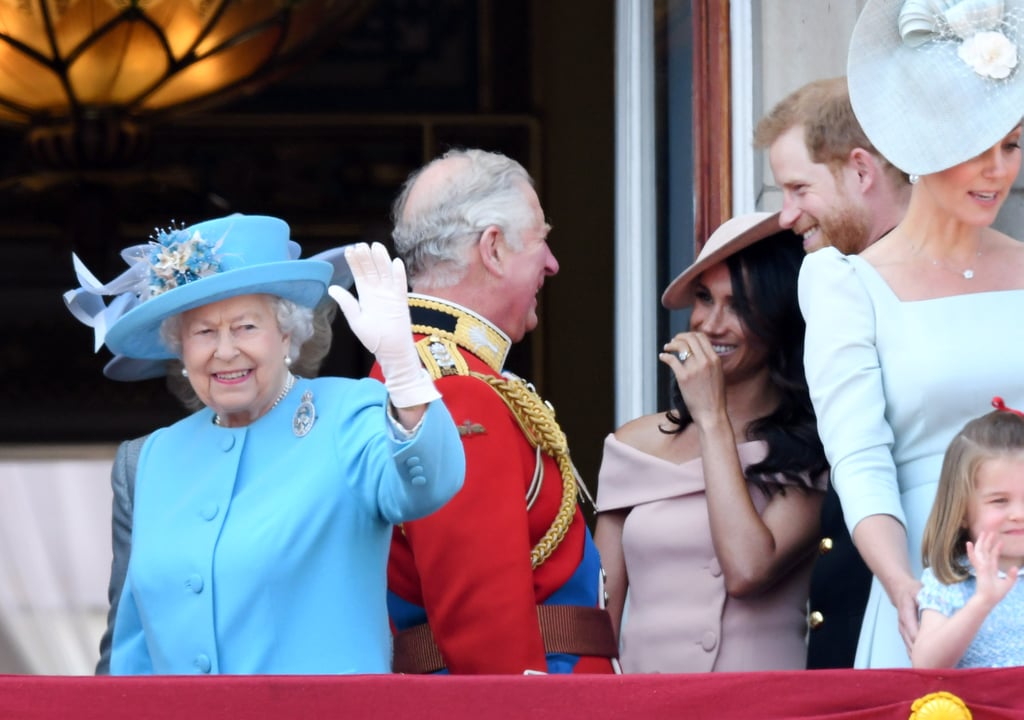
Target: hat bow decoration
[
  {"x": 172, "y": 258},
  {"x": 976, "y": 23},
  {"x": 86, "y": 302}
]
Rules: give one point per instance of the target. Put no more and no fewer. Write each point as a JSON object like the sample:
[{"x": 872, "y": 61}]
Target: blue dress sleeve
[
  {"x": 934, "y": 595},
  {"x": 844, "y": 374},
  {"x": 429, "y": 468}
]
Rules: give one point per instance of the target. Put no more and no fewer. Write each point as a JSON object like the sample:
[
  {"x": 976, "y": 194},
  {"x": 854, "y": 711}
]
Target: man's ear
[
  {"x": 492, "y": 250},
  {"x": 865, "y": 166}
]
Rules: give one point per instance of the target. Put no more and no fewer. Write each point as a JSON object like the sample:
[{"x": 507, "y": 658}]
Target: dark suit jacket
[
  {"x": 840, "y": 583},
  {"x": 122, "y": 481}
]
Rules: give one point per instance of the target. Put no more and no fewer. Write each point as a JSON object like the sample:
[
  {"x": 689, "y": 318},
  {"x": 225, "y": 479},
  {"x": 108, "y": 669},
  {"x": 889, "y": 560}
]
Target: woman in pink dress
[{"x": 709, "y": 513}]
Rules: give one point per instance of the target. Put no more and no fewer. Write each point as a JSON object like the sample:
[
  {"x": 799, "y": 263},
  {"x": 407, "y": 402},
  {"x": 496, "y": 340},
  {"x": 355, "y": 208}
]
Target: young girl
[{"x": 972, "y": 607}]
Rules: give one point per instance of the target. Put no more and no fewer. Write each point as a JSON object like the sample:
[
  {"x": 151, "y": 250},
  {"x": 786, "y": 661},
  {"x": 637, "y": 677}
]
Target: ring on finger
[{"x": 683, "y": 355}]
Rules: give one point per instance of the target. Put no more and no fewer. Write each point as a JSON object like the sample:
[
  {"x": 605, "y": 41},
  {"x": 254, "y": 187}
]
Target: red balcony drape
[{"x": 808, "y": 695}]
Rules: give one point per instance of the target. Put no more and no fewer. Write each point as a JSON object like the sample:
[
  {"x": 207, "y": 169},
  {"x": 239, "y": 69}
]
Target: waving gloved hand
[{"x": 380, "y": 319}]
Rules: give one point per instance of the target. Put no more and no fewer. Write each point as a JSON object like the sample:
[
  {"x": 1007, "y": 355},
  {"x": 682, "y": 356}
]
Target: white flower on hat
[{"x": 989, "y": 53}]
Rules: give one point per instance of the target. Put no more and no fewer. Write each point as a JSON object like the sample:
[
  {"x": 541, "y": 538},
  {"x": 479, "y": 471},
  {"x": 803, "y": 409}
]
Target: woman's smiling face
[
  {"x": 234, "y": 353},
  {"x": 742, "y": 354},
  {"x": 974, "y": 191}
]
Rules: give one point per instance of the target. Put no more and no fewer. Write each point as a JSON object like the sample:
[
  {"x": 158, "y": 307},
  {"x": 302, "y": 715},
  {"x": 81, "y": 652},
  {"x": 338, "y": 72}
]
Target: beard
[{"x": 848, "y": 229}]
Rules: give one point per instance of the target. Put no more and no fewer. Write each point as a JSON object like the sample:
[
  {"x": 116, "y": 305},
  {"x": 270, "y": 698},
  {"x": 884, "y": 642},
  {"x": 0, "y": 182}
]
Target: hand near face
[
  {"x": 699, "y": 376},
  {"x": 984, "y": 556}
]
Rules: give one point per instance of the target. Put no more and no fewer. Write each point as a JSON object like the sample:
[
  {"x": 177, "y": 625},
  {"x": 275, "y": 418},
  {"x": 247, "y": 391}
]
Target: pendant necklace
[
  {"x": 288, "y": 383},
  {"x": 968, "y": 272}
]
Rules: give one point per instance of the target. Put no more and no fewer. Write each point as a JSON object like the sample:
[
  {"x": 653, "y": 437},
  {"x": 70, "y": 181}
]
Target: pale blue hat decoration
[
  {"x": 185, "y": 268},
  {"x": 935, "y": 83}
]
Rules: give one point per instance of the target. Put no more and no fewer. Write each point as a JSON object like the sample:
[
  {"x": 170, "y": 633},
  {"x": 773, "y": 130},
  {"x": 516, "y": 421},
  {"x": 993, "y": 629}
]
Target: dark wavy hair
[{"x": 764, "y": 290}]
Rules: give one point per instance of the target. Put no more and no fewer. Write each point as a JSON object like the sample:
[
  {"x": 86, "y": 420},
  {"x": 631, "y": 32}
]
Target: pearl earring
[
  {"x": 184, "y": 372},
  {"x": 287, "y": 360},
  {"x": 914, "y": 178}
]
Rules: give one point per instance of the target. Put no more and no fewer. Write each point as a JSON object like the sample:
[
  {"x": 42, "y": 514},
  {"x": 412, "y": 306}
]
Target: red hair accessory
[{"x": 998, "y": 404}]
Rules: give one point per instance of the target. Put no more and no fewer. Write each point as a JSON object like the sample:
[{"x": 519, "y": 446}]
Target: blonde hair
[{"x": 944, "y": 545}]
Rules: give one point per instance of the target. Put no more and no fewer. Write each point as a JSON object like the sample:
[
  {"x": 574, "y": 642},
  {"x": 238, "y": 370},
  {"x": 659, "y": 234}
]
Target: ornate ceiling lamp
[{"x": 84, "y": 75}]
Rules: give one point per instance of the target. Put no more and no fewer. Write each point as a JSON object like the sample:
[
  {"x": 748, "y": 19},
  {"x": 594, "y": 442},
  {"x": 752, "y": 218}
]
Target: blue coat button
[
  {"x": 202, "y": 663},
  {"x": 412, "y": 461},
  {"x": 227, "y": 442},
  {"x": 209, "y": 511},
  {"x": 194, "y": 583},
  {"x": 418, "y": 480}
]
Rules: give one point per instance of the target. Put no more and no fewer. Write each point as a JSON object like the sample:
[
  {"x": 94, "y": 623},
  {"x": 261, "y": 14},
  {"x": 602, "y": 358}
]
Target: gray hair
[
  {"x": 293, "y": 320},
  {"x": 486, "y": 190}
]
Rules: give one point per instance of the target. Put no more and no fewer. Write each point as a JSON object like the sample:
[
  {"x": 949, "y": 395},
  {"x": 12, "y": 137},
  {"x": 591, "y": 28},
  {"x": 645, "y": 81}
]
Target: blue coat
[{"x": 257, "y": 551}]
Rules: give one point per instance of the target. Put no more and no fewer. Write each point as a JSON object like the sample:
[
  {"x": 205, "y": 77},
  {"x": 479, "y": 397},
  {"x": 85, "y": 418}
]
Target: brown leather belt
[{"x": 569, "y": 629}]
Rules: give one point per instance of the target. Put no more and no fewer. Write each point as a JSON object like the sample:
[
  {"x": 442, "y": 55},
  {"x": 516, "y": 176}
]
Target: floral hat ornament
[
  {"x": 937, "y": 82},
  {"x": 179, "y": 256},
  {"x": 185, "y": 268}
]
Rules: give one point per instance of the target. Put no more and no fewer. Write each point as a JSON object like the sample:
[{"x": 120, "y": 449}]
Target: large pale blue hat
[
  {"x": 937, "y": 82},
  {"x": 182, "y": 269}
]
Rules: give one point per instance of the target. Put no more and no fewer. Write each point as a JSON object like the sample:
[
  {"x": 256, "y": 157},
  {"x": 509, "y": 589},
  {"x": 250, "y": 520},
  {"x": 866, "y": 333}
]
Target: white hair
[{"x": 489, "y": 190}]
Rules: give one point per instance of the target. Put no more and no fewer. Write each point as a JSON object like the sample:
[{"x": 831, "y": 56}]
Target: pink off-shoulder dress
[{"x": 678, "y": 617}]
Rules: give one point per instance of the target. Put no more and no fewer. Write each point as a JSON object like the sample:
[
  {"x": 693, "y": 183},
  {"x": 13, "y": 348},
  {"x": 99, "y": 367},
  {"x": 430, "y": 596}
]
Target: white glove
[{"x": 380, "y": 319}]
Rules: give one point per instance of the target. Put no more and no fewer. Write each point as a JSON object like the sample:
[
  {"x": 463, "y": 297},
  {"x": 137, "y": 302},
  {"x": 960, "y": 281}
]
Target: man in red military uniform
[{"x": 505, "y": 578}]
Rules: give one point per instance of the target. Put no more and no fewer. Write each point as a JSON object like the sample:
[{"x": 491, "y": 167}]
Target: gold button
[
  {"x": 825, "y": 545},
  {"x": 816, "y": 620}
]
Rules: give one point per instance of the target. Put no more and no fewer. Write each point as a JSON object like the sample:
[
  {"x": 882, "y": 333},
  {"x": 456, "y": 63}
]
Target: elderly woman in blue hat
[
  {"x": 87, "y": 306},
  {"x": 262, "y": 521},
  {"x": 908, "y": 339}
]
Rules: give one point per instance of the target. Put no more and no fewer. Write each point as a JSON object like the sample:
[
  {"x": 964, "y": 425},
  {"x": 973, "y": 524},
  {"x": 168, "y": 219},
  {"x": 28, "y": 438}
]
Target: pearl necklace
[{"x": 288, "y": 384}]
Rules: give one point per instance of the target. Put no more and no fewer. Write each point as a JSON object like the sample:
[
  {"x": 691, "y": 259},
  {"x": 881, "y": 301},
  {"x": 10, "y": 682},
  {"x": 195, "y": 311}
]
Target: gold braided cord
[{"x": 538, "y": 423}]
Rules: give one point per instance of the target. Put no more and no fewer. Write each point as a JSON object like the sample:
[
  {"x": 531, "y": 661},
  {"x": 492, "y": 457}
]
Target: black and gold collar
[{"x": 452, "y": 322}]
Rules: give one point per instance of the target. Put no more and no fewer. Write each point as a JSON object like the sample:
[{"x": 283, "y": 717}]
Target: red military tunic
[{"x": 467, "y": 570}]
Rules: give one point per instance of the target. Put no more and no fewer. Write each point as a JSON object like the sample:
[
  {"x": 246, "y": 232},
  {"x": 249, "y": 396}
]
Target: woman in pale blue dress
[{"x": 907, "y": 340}]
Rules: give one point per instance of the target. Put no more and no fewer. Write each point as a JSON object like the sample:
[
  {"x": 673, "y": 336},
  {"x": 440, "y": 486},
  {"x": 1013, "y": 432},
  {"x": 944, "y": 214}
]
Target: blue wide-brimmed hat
[
  {"x": 934, "y": 84},
  {"x": 126, "y": 369},
  {"x": 186, "y": 268}
]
